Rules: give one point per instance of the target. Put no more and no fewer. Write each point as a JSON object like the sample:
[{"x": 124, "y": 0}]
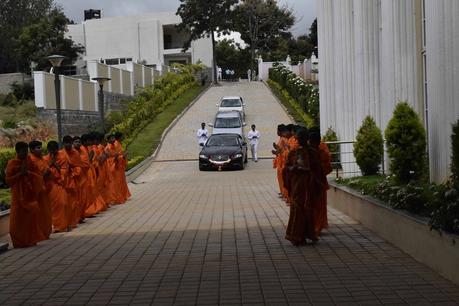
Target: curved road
[{"x": 214, "y": 238}]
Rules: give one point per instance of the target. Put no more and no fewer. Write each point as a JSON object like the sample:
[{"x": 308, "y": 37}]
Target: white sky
[{"x": 305, "y": 10}]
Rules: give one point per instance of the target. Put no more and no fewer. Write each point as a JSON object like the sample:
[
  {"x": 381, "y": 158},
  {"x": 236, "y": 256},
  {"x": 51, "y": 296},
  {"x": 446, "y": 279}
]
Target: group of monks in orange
[
  {"x": 56, "y": 192},
  {"x": 303, "y": 162}
]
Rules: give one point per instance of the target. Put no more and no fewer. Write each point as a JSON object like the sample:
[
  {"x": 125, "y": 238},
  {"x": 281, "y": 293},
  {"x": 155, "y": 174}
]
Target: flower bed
[{"x": 305, "y": 95}]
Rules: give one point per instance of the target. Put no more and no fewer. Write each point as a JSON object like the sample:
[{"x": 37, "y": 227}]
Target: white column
[{"x": 80, "y": 94}]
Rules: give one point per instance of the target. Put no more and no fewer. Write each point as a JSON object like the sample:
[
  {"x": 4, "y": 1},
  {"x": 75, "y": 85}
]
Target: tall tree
[
  {"x": 312, "y": 37},
  {"x": 14, "y": 16},
  {"x": 47, "y": 37},
  {"x": 203, "y": 18},
  {"x": 260, "y": 22}
]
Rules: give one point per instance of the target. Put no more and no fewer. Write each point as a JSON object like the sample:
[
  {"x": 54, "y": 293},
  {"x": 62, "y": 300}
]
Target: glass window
[
  {"x": 122, "y": 61},
  {"x": 112, "y": 61},
  {"x": 228, "y": 123},
  {"x": 231, "y": 103},
  {"x": 219, "y": 141}
]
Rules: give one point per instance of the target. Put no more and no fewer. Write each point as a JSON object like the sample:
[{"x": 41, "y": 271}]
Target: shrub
[
  {"x": 5, "y": 156},
  {"x": 335, "y": 149},
  {"x": 113, "y": 118},
  {"x": 134, "y": 162},
  {"x": 455, "y": 154},
  {"x": 24, "y": 91},
  {"x": 444, "y": 209},
  {"x": 406, "y": 144},
  {"x": 369, "y": 147}
]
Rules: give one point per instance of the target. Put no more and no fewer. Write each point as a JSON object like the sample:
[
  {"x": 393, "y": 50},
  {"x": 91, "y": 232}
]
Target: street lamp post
[
  {"x": 101, "y": 81},
  {"x": 56, "y": 62}
]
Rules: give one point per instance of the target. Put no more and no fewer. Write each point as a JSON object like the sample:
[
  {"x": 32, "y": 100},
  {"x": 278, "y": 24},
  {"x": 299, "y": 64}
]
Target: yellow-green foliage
[
  {"x": 369, "y": 147},
  {"x": 5, "y": 155},
  {"x": 296, "y": 111},
  {"x": 152, "y": 100}
]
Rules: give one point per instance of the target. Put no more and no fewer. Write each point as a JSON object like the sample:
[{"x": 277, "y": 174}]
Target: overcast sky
[{"x": 305, "y": 10}]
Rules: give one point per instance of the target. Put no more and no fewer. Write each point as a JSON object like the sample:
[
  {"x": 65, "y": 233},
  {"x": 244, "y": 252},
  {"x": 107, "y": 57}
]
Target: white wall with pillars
[{"x": 369, "y": 53}]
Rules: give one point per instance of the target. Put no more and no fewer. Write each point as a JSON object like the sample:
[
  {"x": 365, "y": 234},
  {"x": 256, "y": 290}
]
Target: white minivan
[
  {"x": 232, "y": 103},
  {"x": 228, "y": 122}
]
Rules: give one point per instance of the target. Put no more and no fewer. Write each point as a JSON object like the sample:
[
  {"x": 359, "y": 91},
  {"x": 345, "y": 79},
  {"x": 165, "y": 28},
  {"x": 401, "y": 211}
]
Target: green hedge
[
  {"x": 292, "y": 106},
  {"x": 150, "y": 101},
  {"x": 305, "y": 95}
]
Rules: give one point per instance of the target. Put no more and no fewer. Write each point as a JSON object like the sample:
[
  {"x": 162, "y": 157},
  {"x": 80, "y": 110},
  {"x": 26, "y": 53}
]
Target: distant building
[
  {"x": 151, "y": 39},
  {"x": 376, "y": 53}
]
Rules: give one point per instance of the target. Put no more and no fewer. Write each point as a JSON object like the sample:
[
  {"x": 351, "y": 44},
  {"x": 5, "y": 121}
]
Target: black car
[{"x": 223, "y": 151}]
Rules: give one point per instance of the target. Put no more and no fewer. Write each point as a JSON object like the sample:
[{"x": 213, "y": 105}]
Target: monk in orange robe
[
  {"x": 75, "y": 180},
  {"x": 45, "y": 216},
  {"x": 104, "y": 179},
  {"x": 60, "y": 206},
  {"x": 26, "y": 183},
  {"x": 307, "y": 184},
  {"x": 325, "y": 161},
  {"x": 279, "y": 162},
  {"x": 123, "y": 193},
  {"x": 292, "y": 145},
  {"x": 110, "y": 152}
]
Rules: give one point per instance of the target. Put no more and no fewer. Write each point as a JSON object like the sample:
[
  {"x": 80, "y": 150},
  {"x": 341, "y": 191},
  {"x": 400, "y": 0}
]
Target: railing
[{"x": 343, "y": 160}]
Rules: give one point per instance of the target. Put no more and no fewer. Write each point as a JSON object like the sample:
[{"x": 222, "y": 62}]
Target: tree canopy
[
  {"x": 47, "y": 37},
  {"x": 202, "y": 18}
]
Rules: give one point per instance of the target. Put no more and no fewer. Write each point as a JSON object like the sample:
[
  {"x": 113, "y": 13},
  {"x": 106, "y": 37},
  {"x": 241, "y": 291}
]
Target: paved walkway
[{"x": 208, "y": 238}]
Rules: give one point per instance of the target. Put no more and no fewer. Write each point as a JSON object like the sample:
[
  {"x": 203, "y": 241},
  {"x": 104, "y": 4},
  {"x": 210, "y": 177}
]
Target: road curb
[{"x": 136, "y": 171}]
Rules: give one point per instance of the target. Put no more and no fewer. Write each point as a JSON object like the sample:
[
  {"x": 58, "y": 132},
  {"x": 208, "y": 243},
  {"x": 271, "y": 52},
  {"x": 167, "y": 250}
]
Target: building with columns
[{"x": 376, "y": 53}]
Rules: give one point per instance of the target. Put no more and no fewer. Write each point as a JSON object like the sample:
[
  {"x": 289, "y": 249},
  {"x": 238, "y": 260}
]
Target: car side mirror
[
  {"x": 216, "y": 105},
  {"x": 244, "y": 124},
  {"x": 201, "y": 144},
  {"x": 244, "y": 143},
  {"x": 243, "y": 104},
  {"x": 210, "y": 124}
]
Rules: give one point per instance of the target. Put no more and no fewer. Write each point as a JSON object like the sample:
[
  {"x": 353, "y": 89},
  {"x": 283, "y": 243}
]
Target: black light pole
[
  {"x": 56, "y": 61},
  {"x": 101, "y": 81}
]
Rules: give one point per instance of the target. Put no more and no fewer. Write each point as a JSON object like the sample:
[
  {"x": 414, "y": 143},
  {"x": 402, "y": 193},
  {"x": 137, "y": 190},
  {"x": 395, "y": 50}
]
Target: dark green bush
[
  {"x": 444, "y": 209},
  {"x": 24, "y": 91},
  {"x": 113, "y": 118},
  {"x": 455, "y": 154},
  {"x": 369, "y": 147},
  {"x": 5, "y": 155},
  {"x": 335, "y": 149},
  {"x": 406, "y": 144}
]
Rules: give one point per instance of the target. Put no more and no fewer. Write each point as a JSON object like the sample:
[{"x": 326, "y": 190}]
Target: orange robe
[
  {"x": 111, "y": 188},
  {"x": 279, "y": 164},
  {"x": 45, "y": 217},
  {"x": 292, "y": 145},
  {"x": 103, "y": 176},
  {"x": 25, "y": 227},
  {"x": 75, "y": 179},
  {"x": 61, "y": 208},
  {"x": 99, "y": 204},
  {"x": 87, "y": 184},
  {"x": 306, "y": 187},
  {"x": 325, "y": 161},
  {"x": 123, "y": 193}
]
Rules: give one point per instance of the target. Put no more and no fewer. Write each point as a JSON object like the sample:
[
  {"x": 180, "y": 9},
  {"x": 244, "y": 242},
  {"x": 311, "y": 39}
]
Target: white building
[
  {"x": 375, "y": 53},
  {"x": 150, "y": 39}
]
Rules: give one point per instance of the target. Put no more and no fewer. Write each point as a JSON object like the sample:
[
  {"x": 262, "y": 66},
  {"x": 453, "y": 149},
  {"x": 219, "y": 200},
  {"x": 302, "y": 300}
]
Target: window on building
[
  {"x": 112, "y": 61},
  {"x": 167, "y": 41}
]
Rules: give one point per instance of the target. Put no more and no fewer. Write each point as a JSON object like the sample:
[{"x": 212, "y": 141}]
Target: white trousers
[{"x": 253, "y": 149}]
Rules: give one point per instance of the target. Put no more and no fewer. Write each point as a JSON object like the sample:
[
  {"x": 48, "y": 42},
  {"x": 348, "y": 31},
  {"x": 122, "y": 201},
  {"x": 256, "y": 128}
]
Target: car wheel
[
  {"x": 202, "y": 168},
  {"x": 246, "y": 159}
]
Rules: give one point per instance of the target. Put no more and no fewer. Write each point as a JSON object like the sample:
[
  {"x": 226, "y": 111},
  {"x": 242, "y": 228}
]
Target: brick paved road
[{"x": 209, "y": 238}]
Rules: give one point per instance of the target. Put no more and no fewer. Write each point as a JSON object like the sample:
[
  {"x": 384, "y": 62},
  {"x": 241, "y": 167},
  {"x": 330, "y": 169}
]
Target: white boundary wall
[
  {"x": 305, "y": 70},
  {"x": 78, "y": 94}
]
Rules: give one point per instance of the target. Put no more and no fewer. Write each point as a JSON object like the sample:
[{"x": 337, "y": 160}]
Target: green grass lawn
[{"x": 145, "y": 143}]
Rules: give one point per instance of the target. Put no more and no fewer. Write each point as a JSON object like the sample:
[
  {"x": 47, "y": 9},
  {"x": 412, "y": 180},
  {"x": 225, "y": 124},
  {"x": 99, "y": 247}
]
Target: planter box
[
  {"x": 4, "y": 222},
  {"x": 439, "y": 251}
]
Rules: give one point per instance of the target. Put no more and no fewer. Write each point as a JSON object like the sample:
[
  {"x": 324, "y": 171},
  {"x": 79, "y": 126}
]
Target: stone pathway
[{"x": 213, "y": 238}]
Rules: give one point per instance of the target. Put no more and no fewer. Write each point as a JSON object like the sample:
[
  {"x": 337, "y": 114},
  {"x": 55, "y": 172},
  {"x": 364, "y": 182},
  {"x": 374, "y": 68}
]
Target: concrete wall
[
  {"x": 438, "y": 251},
  {"x": 7, "y": 79}
]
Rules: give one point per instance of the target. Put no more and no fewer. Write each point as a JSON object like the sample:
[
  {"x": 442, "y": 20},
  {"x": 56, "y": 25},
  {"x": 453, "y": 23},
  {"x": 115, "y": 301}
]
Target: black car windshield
[
  {"x": 231, "y": 103},
  {"x": 222, "y": 141},
  {"x": 228, "y": 123}
]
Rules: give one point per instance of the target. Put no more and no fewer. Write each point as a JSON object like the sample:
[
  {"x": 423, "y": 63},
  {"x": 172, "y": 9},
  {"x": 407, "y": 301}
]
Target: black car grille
[{"x": 219, "y": 157}]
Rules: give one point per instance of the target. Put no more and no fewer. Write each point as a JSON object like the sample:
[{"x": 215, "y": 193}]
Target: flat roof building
[{"x": 151, "y": 39}]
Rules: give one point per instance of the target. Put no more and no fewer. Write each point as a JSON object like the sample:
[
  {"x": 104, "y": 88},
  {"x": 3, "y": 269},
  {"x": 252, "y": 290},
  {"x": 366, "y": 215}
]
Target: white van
[{"x": 228, "y": 122}]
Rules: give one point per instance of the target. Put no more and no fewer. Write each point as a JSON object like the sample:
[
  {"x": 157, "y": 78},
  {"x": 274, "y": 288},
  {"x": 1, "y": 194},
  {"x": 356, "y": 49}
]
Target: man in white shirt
[
  {"x": 202, "y": 134},
  {"x": 253, "y": 137}
]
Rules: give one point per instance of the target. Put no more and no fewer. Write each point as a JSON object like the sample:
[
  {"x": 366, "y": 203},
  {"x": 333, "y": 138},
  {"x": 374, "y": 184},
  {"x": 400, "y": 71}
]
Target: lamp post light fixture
[
  {"x": 101, "y": 81},
  {"x": 56, "y": 62}
]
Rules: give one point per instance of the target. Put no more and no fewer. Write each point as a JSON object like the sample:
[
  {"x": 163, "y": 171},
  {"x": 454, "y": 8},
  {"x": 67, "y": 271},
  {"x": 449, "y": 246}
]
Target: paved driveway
[
  {"x": 261, "y": 109},
  {"x": 213, "y": 238}
]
